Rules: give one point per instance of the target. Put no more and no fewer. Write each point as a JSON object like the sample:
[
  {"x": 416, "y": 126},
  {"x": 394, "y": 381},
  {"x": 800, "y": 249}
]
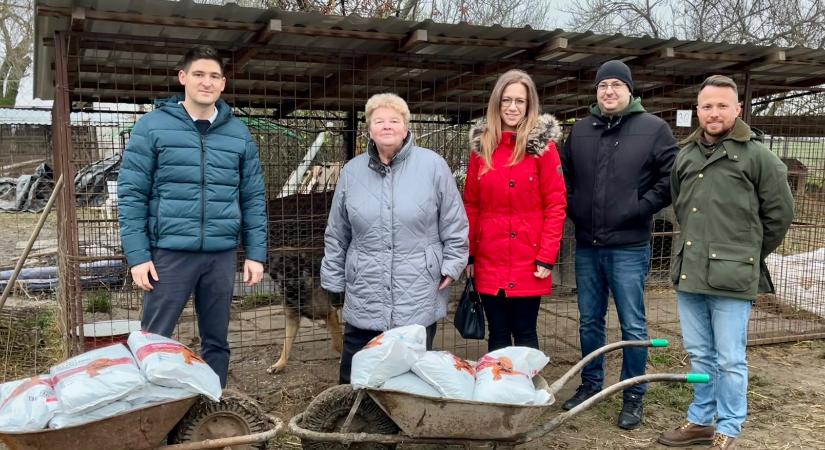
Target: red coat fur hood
[{"x": 547, "y": 129}]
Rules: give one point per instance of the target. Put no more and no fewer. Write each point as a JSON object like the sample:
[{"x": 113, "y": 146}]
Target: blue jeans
[
  {"x": 623, "y": 272},
  {"x": 715, "y": 333}
]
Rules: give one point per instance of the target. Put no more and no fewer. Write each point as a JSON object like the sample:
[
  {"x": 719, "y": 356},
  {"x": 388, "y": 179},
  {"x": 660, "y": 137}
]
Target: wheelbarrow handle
[
  {"x": 564, "y": 379},
  {"x": 272, "y": 433},
  {"x": 610, "y": 390}
]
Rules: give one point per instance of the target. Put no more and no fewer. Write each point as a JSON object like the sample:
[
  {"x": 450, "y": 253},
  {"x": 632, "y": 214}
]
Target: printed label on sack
[
  {"x": 500, "y": 366},
  {"x": 169, "y": 347},
  {"x": 461, "y": 364},
  {"x": 25, "y": 387},
  {"x": 92, "y": 369}
]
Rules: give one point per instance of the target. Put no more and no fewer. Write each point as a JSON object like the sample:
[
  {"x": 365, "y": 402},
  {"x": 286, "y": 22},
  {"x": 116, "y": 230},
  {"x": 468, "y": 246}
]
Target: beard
[{"x": 721, "y": 132}]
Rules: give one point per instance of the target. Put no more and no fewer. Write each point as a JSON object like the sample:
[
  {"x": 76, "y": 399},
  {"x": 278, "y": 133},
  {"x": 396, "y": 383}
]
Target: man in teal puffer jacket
[{"x": 189, "y": 190}]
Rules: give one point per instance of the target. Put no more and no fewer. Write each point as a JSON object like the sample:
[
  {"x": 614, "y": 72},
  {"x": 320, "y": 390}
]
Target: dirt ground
[
  {"x": 786, "y": 392},
  {"x": 786, "y": 400}
]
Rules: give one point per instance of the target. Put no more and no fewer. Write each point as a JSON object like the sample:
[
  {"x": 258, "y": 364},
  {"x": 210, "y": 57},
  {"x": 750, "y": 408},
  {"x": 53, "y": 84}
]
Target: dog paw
[{"x": 276, "y": 368}]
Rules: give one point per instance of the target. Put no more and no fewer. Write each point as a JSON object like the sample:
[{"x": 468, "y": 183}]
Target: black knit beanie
[{"x": 615, "y": 69}]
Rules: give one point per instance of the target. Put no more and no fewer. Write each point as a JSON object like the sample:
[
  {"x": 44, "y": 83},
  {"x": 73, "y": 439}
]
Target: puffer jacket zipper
[{"x": 203, "y": 189}]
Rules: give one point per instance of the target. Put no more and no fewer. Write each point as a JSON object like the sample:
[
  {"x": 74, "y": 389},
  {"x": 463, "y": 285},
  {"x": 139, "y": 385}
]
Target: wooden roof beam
[
  {"x": 261, "y": 37},
  {"x": 78, "y": 20},
  {"x": 414, "y": 41},
  {"x": 773, "y": 57},
  {"x": 147, "y": 19},
  {"x": 557, "y": 45},
  {"x": 672, "y": 53}
]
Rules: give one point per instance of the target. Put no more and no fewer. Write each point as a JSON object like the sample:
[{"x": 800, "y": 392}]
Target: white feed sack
[
  {"x": 153, "y": 393},
  {"x": 26, "y": 405},
  {"x": 450, "y": 375},
  {"x": 410, "y": 383},
  {"x": 63, "y": 420},
  {"x": 389, "y": 354},
  {"x": 506, "y": 376},
  {"x": 95, "y": 378},
  {"x": 169, "y": 363}
]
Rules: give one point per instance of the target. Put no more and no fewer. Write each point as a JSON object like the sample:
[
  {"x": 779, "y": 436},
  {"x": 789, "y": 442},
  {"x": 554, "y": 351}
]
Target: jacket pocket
[
  {"x": 433, "y": 263},
  {"x": 351, "y": 266},
  {"x": 731, "y": 267},
  {"x": 676, "y": 263}
]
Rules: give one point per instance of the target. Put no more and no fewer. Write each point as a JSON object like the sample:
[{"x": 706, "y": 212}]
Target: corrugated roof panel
[{"x": 322, "y": 55}]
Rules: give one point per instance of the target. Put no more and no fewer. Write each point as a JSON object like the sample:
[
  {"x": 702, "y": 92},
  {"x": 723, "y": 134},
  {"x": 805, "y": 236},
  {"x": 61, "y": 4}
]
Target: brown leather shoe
[
  {"x": 723, "y": 442},
  {"x": 688, "y": 434}
]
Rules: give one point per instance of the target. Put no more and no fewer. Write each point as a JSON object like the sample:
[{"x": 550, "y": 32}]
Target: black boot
[
  {"x": 633, "y": 411},
  {"x": 583, "y": 392}
]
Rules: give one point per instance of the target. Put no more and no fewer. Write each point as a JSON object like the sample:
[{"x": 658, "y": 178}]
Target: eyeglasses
[
  {"x": 616, "y": 86},
  {"x": 507, "y": 101}
]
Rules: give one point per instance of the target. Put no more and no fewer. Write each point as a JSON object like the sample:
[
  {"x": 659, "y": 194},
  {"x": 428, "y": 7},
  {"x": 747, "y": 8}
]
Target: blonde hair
[
  {"x": 492, "y": 133},
  {"x": 388, "y": 100}
]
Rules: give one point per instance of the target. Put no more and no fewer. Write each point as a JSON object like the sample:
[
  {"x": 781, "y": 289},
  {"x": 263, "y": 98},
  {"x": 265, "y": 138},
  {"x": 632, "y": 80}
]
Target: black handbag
[{"x": 469, "y": 316}]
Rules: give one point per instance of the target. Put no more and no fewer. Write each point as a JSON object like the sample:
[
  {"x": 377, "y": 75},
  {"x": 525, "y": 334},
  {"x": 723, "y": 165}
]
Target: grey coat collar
[{"x": 375, "y": 162}]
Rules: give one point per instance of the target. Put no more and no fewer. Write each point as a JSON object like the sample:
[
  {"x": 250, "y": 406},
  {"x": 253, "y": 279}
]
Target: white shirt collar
[{"x": 211, "y": 118}]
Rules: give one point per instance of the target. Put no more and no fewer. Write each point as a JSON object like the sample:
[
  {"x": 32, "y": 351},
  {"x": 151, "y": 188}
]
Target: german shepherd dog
[{"x": 297, "y": 224}]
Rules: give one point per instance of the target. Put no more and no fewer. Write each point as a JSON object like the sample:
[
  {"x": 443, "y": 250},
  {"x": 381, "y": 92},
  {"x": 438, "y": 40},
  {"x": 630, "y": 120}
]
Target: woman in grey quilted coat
[{"x": 397, "y": 233}]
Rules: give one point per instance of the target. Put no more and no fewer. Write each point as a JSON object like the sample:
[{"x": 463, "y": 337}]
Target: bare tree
[
  {"x": 508, "y": 13},
  {"x": 631, "y": 17},
  {"x": 16, "y": 31},
  {"x": 764, "y": 22},
  {"x": 784, "y": 23}
]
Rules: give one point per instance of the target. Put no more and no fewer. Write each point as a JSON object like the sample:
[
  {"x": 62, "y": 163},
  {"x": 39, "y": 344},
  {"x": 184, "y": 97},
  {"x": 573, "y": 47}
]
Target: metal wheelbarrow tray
[
  {"x": 138, "y": 429},
  {"x": 421, "y": 419}
]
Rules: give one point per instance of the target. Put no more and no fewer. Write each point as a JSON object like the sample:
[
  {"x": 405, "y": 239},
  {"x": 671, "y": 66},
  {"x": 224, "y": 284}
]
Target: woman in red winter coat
[{"x": 515, "y": 200}]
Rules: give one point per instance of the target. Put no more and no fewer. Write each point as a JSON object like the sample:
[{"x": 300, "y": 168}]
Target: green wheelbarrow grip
[
  {"x": 659, "y": 343},
  {"x": 697, "y": 378}
]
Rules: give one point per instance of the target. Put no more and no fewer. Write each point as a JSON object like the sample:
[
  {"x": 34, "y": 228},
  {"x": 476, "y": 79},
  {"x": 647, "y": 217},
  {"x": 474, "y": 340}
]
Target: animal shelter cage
[{"x": 300, "y": 81}]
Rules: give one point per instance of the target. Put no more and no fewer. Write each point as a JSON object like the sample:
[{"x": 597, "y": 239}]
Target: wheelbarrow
[
  {"x": 341, "y": 417},
  {"x": 189, "y": 423}
]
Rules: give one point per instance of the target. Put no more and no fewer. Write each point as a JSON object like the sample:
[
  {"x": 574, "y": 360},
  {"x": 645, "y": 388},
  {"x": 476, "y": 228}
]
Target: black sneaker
[
  {"x": 633, "y": 411},
  {"x": 583, "y": 392}
]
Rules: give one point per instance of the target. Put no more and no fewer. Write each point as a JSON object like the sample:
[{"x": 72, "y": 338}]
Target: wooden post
[
  {"x": 68, "y": 295},
  {"x": 747, "y": 108},
  {"x": 350, "y": 135}
]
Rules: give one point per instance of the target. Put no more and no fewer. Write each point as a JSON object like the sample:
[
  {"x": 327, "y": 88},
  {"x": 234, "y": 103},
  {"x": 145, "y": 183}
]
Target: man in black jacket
[{"x": 617, "y": 167}]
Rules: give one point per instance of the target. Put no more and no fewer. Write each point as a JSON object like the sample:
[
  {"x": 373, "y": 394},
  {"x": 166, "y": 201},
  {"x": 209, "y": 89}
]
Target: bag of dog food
[
  {"x": 389, "y": 354},
  {"x": 26, "y": 405},
  {"x": 153, "y": 393},
  {"x": 95, "y": 378},
  {"x": 506, "y": 376},
  {"x": 410, "y": 383},
  {"x": 63, "y": 420},
  {"x": 450, "y": 375},
  {"x": 169, "y": 363}
]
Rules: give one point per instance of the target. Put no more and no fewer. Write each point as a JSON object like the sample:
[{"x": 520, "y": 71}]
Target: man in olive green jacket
[{"x": 734, "y": 206}]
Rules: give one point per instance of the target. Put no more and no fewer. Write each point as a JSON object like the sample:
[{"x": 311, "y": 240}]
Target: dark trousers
[
  {"x": 511, "y": 320},
  {"x": 210, "y": 276},
  {"x": 356, "y": 338}
]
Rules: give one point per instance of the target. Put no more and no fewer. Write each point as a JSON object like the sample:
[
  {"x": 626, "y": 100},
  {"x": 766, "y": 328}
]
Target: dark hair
[
  {"x": 720, "y": 81},
  {"x": 200, "y": 52}
]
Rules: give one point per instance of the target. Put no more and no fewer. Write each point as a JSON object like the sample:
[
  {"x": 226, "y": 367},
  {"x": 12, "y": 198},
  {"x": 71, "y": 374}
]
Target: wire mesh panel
[{"x": 303, "y": 104}]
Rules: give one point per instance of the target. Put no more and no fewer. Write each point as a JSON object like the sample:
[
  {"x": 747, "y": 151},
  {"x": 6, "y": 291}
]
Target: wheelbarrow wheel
[
  {"x": 328, "y": 411},
  {"x": 235, "y": 415}
]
